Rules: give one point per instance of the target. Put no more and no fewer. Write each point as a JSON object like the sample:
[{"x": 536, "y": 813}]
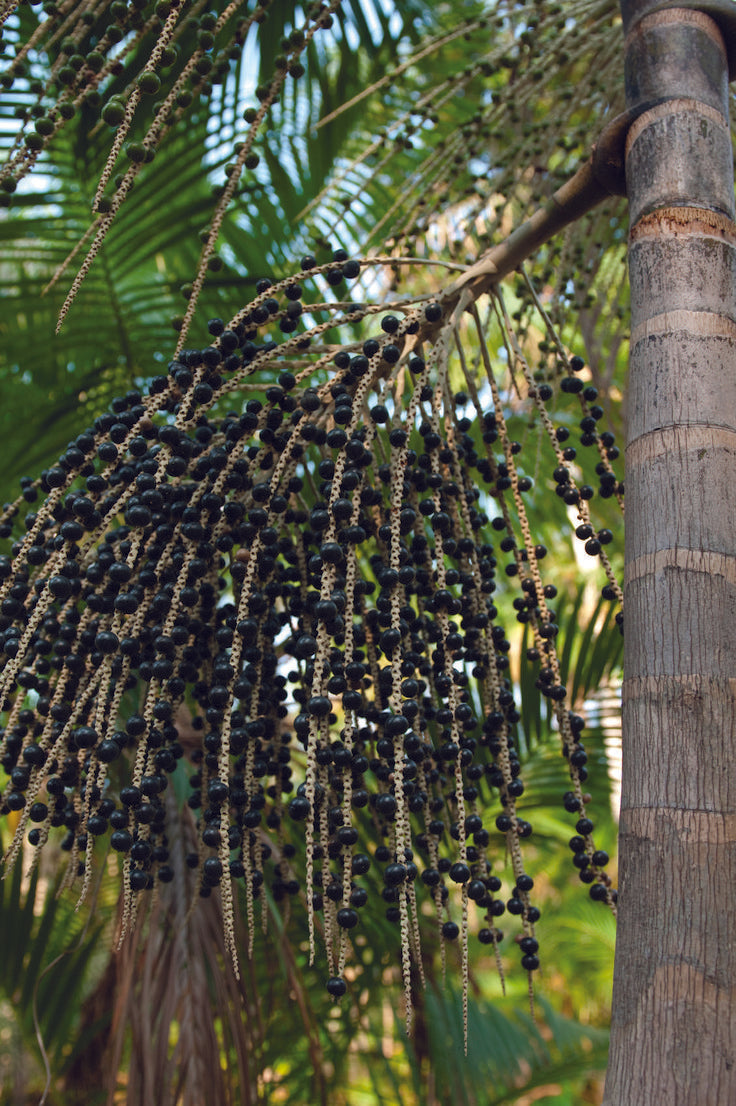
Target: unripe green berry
[
  {"x": 113, "y": 113},
  {"x": 149, "y": 83}
]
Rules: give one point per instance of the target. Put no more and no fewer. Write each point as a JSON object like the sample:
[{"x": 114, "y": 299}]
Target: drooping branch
[
  {"x": 600, "y": 177},
  {"x": 228, "y": 563}
]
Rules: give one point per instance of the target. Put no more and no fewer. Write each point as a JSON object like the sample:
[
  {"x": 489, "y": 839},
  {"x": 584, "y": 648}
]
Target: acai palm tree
[{"x": 314, "y": 340}]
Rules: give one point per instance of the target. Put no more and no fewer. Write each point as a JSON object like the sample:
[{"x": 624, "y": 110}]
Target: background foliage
[{"x": 415, "y": 129}]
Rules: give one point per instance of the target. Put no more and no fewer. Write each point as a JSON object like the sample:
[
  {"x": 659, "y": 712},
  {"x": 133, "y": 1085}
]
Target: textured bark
[{"x": 673, "y": 1035}]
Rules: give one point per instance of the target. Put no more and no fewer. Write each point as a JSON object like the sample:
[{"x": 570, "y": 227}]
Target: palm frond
[
  {"x": 508, "y": 1052},
  {"x": 45, "y": 966}
]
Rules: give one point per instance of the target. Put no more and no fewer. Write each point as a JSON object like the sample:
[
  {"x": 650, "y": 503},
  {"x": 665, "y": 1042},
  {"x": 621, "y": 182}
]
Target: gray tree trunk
[{"x": 673, "y": 1036}]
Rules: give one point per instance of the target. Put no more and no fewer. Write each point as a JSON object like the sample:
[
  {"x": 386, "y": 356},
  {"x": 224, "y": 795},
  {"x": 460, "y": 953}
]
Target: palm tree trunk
[{"x": 673, "y": 1035}]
